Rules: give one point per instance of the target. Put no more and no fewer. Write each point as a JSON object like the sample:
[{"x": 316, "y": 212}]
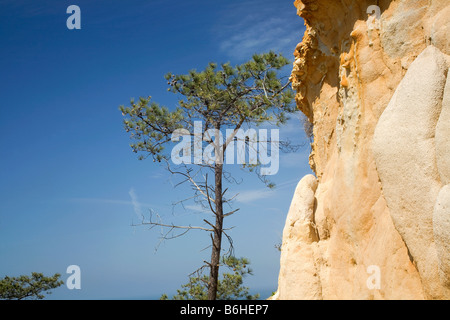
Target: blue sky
[{"x": 70, "y": 187}]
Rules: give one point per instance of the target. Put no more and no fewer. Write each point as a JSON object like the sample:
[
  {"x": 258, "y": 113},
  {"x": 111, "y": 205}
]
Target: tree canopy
[
  {"x": 230, "y": 286},
  {"x": 28, "y": 287},
  {"x": 219, "y": 98},
  {"x": 227, "y": 97}
]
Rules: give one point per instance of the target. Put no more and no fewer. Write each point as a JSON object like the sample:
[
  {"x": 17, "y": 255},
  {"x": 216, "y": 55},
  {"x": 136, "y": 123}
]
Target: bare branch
[
  {"x": 171, "y": 226},
  {"x": 207, "y": 195},
  {"x": 230, "y": 213},
  {"x": 230, "y": 241},
  {"x": 188, "y": 177},
  {"x": 209, "y": 223}
]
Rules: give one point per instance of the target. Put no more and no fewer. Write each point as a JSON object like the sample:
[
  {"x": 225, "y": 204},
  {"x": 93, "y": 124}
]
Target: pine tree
[
  {"x": 225, "y": 97},
  {"x": 26, "y": 287},
  {"x": 229, "y": 287}
]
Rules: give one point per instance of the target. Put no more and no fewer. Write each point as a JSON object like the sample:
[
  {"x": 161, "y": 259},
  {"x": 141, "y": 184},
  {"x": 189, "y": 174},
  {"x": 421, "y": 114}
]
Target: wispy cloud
[
  {"x": 196, "y": 208},
  {"x": 250, "y": 196},
  {"x": 295, "y": 159},
  {"x": 253, "y": 27},
  {"x": 101, "y": 201},
  {"x": 254, "y": 37},
  {"x": 135, "y": 202}
]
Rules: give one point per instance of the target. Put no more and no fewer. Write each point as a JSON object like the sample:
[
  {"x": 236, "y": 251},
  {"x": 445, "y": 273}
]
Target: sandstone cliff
[{"x": 374, "y": 223}]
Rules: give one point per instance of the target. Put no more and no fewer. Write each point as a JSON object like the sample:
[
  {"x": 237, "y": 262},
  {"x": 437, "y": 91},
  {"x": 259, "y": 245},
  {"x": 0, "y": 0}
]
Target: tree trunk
[{"x": 217, "y": 238}]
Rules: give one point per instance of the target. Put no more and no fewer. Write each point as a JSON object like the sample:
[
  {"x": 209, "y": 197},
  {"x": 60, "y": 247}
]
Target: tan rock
[
  {"x": 441, "y": 215},
  {"x": 405, "y": 155},
  {"x": 441, "y": 223},
  {"x": 297, "y": 250},
  {"x": 443, "y": 138},
  {"x": 440, "y": 31},
  {"x": 348, "y": 67},
  {"x": 302, "y": 206}
]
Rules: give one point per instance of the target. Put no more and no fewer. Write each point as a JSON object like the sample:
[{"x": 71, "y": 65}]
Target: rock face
[
  {"x": 299, "y": 245},
  {"x": 405, "y": 153},
  {"x": 372, "y": 77}
]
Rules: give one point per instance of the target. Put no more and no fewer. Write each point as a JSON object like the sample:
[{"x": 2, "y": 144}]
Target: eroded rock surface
[{"x": 373, "y": 83}]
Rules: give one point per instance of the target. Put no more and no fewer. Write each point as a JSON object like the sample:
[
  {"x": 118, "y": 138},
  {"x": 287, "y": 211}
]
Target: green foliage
[
  {"x": 221, "y": 97},
  {"x": 23, "y": 287},
  {"x": 230, "y": 286},
  {"x": 151, "y": 125}
]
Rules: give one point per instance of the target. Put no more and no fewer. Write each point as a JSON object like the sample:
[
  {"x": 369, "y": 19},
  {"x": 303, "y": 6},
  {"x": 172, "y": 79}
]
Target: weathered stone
[
  {"x": 364, "y": 216},
  {"x": 443, "y": 137},
  {"x": 297, "y": 249},
  {"x": 441, "y": 224},
  {"x": 405, "y": 155}
]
